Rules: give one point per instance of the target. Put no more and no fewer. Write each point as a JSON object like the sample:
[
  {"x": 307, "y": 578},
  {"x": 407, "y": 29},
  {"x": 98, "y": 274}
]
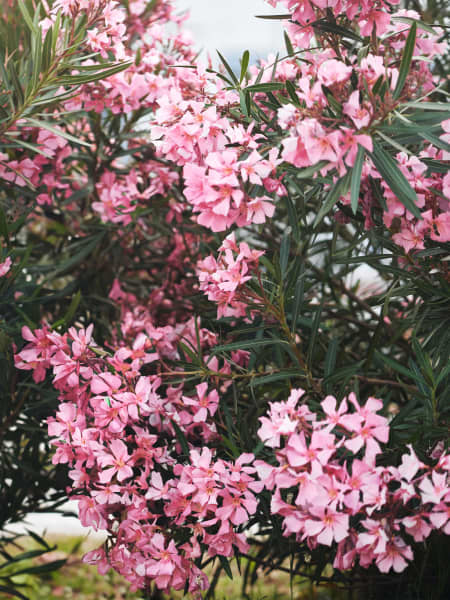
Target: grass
[{"x": 79, "y": 581}]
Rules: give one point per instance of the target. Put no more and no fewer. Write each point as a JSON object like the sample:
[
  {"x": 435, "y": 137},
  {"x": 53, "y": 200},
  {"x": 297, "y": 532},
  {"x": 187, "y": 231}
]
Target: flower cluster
[
  {"x": 105, "y": 18},
  {"x": 124, "y": 442},
  {"x": 329, "y": 489},
  {"x": 226, "y": 178},
  {"x": 172, "y": 162},
  {"x": 223, "y": 280}
]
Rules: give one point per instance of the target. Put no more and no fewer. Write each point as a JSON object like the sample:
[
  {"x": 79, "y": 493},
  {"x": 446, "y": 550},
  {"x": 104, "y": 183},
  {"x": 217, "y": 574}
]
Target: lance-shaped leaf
[
  {"x": 339, "y": 189},
  {"x": 275, "y": 17},
  {"x": 406, "y": 61},
  {"x": 355, "y": 184},
  {"x": 228, "y": 68},
  {"x": 56, "y": 130},
  {"x": 284, "y": 254},
  {"x": 395, "y": 179},
  {"x": 265, "y": 87},
  {"x": 244, "y": 65}
]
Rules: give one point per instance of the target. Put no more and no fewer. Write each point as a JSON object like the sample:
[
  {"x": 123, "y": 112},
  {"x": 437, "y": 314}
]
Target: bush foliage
[{"x": 226, "y": 293}]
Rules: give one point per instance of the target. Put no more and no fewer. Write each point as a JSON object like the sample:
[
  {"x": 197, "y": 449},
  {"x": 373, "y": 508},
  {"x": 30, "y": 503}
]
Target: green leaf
[
  {"x": 307, "y": 172},
  {"x": 4, "y": 225},
  {"x": 440, "y": 106},
  {"x": 56, "y": 130},
  {"x": 245, "y": 102},
  {"x": 66, "y": 319},
  {"x": 336, "y": 191},
  {"x": 406, "y": 61},
  {"x": 420, "y": 24},
  {"x": 12, "y": 592},
  {"x": 280, "y": 375},
  {"x": 436, "y": 141},
  {"x": 47, "y": 50},
  {"x": 326, "y": 26},
  {"x": 26, "y": 16},
  {"x": 16, "y": 85},
  {"x": 330, "y": 361},
  {"x": 288, "y": 44},
  {"x": 225, "y": 565},
  {"x": 284, "y": 254},
  {"x": 229, "y": 69},
  {"x": 56, "y": 30},
  {"x": 344, "y": 374},
  {"x": 291, "y": 90},
  {"x": 244, "y": 65},
  {"x": 181, "y": 438},
  {"x": 231, "y": 446},
  {"x": 86, "y": 246},
  {"x": 246, "y": 344},
  {"x": 395, "y": 179},
  {"x": 292, "y": 216},
  {"x": 40, "y": 569},
  {"x": 442, "y": 375},
  {"x": 314, "y": 332},
  {"x": 192, "y": 355},
  {"x": 396, "y": 366},
  {"x": 36, "y": 53},
  {"x": 424, "y": 361},
  {"x": 274, "y": 17},
  {"x": 88, "y": 78},
  {"x": 265, "y": 87},
  {"x": 298, "y": 298},
  {"x": 355, "y": 184}
]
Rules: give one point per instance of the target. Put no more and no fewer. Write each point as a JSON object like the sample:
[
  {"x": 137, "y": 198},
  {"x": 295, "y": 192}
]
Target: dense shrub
[{"x": 180, "y": 254}]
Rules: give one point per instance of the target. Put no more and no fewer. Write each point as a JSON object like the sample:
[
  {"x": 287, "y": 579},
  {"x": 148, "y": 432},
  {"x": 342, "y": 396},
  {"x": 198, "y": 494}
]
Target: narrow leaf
[
  {"x": 288, "y": 44},
  {"x": 395, "y": 179},
  {"x": 26, "y": 16},
  {"x": 406, "y": 61},
  {"x": 332, "y": 28},
  {"x": 298, "y": 298},
  {"x": 420, "y": 24},
  {"x": 244, "y": 65},
  {"x": 314, "y": 332},
  {"x": 181, "y": 438},
  {"x": 265, "y": 87},
  {"x": 284, "y": 254},
  {"x": 225, "y": 565},
  {"x": 336, "y": 191},
  {"x": 246, "y": 344},
  {"x": 355, "y": 184},
  {"x": 228, "y": 68},
  {"x": 436, "y": 141},
  {"x": 274, "y": 17},
  {"x": 330, "y": 361},
  {"x": 55, "y": 130},
  {"x": 290, "y": 88}
]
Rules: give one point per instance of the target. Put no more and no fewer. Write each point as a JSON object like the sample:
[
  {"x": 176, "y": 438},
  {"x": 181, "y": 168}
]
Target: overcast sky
[{"x": 230, "y": 26}]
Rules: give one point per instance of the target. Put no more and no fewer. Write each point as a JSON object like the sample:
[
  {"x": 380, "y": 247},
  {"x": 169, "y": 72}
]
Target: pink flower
[
  {"x": 330, "y": 525},
  {"x": 434, "y": 491},
  {"x": 358, "y": 114},
  {"x": 5, "y": 266},
  {"x": 119, "y": 459},
  {"x": 299, "y": 452},
  {"x": 333, "y": 71},
  {"x": 395, "y": 556},
  {"x": 333, "y": 416},
  {"x": 440, "y": 516},
  {"x": 236, "y": 508},
  {"x": 410, "y": 464}
]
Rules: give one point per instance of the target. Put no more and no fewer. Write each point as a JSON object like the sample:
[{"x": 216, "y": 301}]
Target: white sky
[{"x": 230, "y": 26}]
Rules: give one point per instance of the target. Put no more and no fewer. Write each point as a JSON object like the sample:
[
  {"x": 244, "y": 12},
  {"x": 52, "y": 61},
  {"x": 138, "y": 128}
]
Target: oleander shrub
[{"x": 226, "y": 292}]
